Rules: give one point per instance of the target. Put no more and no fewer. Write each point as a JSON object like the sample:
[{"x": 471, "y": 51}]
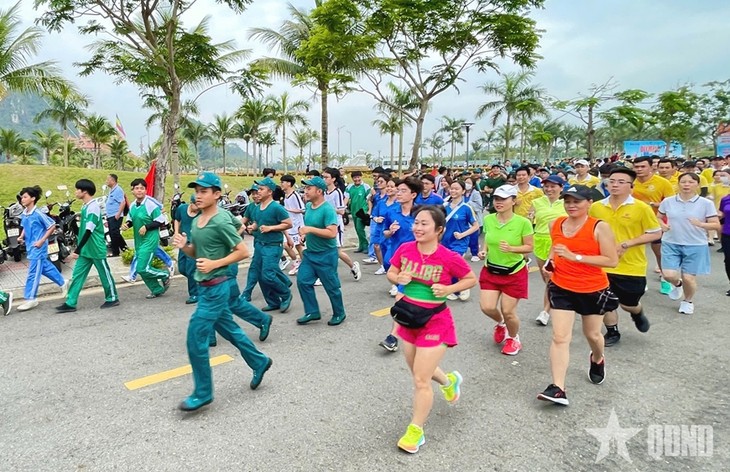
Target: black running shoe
[
  {"x": 641, "y": 321},
  {"x": 554, "y": 394},
  {"x": 597, "y": 372},
  {"x": 611, "y": 338}
]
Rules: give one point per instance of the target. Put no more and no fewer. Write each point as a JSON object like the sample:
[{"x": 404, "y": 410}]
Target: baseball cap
[
  {"x": 580, "y": 192},
  {"x": 582, "y": 162},
  {"x": 556, "y": 179},
  {"x": 267, "y": 182},
  {"x": 506, "y": 191},
  {"x": 316, "y": 182},
  {"x": 207, "y": 180}
]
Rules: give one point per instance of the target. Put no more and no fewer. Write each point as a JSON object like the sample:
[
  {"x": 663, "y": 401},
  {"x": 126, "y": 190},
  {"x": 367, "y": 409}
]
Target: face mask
[
  {"x": 725, "y": 180},
  {"x": 468, "y": 186}
]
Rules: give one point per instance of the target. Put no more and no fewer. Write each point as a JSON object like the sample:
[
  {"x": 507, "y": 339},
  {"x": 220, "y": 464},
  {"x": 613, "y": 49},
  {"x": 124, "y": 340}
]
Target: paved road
[{"x": 335, "y": 401}]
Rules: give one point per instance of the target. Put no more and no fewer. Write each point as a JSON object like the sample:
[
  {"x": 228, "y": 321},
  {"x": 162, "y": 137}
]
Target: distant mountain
[{"x": 17, "y": 112}]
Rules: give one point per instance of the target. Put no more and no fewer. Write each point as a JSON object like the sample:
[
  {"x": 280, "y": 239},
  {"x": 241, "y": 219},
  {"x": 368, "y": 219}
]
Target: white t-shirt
[
  {"x": 294, "y": 202},
  {"x": 337, "y": 199}
]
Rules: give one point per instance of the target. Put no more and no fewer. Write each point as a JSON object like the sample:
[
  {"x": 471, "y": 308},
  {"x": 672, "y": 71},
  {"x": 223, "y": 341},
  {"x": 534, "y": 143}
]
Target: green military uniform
[
  {"x": 145, "y": 213},
  {"x": 358, "y": 196}
]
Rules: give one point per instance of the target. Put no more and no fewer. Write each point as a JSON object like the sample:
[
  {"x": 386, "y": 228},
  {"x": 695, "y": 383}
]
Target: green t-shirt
[
  {"x": 545, "y": 213},
  {"x": 141, "y": 214},
  {"x": 320, "y": 217},
  {"x": 95, "y": 247},
  {"x": 512, "y": 232},
  {"x": 214, "y": 241},
  {"x": 358, "y": 195},
  {"x": 272, "y": 215},
  {"x": 493, "y": 183}
]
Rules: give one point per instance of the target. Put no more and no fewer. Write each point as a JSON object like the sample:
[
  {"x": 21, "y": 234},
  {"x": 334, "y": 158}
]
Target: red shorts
[
  {"x": 512, "y": 285},
  {"x": 438, "y": 330}
]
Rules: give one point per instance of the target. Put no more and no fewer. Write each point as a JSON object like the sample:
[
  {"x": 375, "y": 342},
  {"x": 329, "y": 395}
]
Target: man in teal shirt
[
  {"x": 183, "y": 219},
  {"x": 319, "y": 260}
]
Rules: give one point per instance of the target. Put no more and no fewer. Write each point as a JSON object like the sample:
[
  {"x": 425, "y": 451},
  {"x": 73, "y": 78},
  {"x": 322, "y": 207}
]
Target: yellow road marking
[
  {"x": 171, "y": 374},
  {"x": 383, "y": 312}
]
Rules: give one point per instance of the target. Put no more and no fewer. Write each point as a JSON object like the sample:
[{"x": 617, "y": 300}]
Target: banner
[
  {"x": 651, "y": 148},
  {"x": 723, "y": 145}
]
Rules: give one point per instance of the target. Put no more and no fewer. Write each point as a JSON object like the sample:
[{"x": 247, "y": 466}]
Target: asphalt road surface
[{"x": 334, "y": 400}]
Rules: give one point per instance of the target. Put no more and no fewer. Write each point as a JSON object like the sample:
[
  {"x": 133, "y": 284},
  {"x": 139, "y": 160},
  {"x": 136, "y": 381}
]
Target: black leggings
[{"x": 725, "y": 240}]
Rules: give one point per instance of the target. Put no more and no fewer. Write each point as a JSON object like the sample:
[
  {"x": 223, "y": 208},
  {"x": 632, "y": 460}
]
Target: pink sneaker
[
  {"x": 500, "y": 333},
  {"x": 511, "y": 347},
  {"x": 295, "y": 267}
]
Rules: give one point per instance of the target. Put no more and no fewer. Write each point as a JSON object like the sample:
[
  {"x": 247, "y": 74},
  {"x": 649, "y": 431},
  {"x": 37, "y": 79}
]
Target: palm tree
[
  {"x": 10, "y": 142},
  {"x": 452, "y": 126},
  {"x": 403, "y": 99},
  {"x": 313, "y": 136},
  {"x": 16, "y": 48},
  {"x": 436, "y": 141},
  {"x": 390, "y": 124},
  {"x": 48, "y": 142},
  {"x": 221, "y": 130},
  {"x": 99, "y": 131},
  {"x": 267, "y": 139},
  {"x": 285, "y": 112},
  {"x": 65, "y": 106},
  {"x": 255, "y": 114},
  {"x": 513, "y": 90},
  {"x": 300, "y": 139},
  {"x": 243, "y": 131},
  {"x": 26, "y": 153},
  {"x": 118, "y": 151},
  {"x": 195, "y": 132}
]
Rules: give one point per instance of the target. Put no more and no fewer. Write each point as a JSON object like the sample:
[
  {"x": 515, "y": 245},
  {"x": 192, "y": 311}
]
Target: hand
[
  {"x": 665, "y": 226},
  {"x": 252, "y": 227},
  {"x": 440, "y": 290},
  {"x": 546, "y": 274},
  {"x": 179, "y": 240},
  {"x": 404, "y": 278},
  {"x": 264, "y": 228},
  {"x": 458, "y": 235},
  {"x": 142, "y": 230},
  {"x": 21, "y": 239},
  {"x": 562, "y": 251},
  {"x": 504, "y": 247},
  {"x": 73, "y": 256},
  {"x": 116, "y": 217},
  {"x": 303, "y": 231},
  {"x": 394, "y": 227},
  {"x": 696, "y": 222},
  {"x": 378, "y": 219},
  {"x": 205, "y": 265},
  {"x": 620, "y": 251},
  {"x": 482, "y": 255},
  {"x": 38, "y": 244},
  {"x": 124, "y": 227}
]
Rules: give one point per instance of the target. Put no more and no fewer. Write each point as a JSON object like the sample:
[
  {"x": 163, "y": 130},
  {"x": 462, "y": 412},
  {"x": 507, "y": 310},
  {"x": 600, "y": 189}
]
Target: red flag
[{"x": 150, "y": 179}]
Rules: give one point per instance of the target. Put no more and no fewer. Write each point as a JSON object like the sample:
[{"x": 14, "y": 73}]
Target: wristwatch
[
  {"x": 578, "y": 257},
  {"x": 625, "y": 245}
]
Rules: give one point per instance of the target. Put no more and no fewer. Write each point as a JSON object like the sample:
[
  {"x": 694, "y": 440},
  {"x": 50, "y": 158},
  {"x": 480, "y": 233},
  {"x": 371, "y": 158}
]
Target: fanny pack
[
  {"x": 497, "y": 269},
  {"x": 413, "y": 316}
]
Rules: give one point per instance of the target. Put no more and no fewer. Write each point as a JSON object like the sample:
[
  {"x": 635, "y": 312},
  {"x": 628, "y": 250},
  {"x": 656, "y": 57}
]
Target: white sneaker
[
  {"x": 464, "y": 295},
  {"x": 284, "y": 263},
  {"x": 356, "y": 272},
  {"x": 452, "y": 297},
  {"x": 393, "y": 291},
  {"x": 543, "y": 318},
  {"x": 685, "y": 307},
  {"x": 295, "y": 267},
  {"x": 381, "y": 271},
  {"x": 128, "y": 279},
  {"x": 318, "y": 283},
  {"x": 676, "y": 293},
  {"x": 370, "y": 260},
  {"x": 475, "y": 259},
  {"x": 171, "y": 270},
  {"x": 64, "y": 287},
  {"x": 28, "y": 305}
]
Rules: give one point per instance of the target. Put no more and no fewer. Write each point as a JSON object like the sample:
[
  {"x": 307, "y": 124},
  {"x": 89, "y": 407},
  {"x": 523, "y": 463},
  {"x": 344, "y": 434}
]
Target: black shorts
[
  {"x": 594, "y": 303},
  {"x": 628, "y": 288}
]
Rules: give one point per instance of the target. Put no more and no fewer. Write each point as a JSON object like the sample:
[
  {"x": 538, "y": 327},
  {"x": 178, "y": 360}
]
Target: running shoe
[
  {"x": 64, "y": 287},
  {"x": 452, "y": 392},
  {"x": 711, "y": 243},
  {"x": 641, "y": 321},
  {"x": 543, "y": 318},
  {"x": 128, "y": 279},
  {"x": 677, "y": 292},
  {"x": 171, "y": 269},
  {"x": 452, "y": 297},
  {"x": 464, "y": 295},
  {"x": 554, "y": 394},
  {"x": 412, "y": 440},
  {"x": 500, "y": 333},
  {"x": 381, "y": 271},
  {"x": 511, "y": 347},
  {"x": 295, "y": 267},
  {"x": 356, "y": 272},
  {"x": 664, "y": 287},
  {"x": 685, "y": 307},
  {"x": 7, "y": 304},
  {"x": 475, "y": 259},
  {"x": 611, "y": 338},
  {"x": 318, "y": 283},
  {"x": 393, "y": 291},
  {"x": 29, "y": 305},
  {"x": 370, "y": 260},
  {"x": 597, "y": 371},
  {"x": 284, "y": 263},
  {"x": 390, "y": 343}
]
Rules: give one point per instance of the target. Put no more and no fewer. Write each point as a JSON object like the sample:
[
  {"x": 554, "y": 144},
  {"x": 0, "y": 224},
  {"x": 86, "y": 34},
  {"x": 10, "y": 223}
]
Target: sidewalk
[{"x": 13, "y": 274}]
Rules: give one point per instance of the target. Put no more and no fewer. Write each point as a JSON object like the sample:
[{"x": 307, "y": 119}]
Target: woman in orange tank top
[{"x": 582, "y": 247}]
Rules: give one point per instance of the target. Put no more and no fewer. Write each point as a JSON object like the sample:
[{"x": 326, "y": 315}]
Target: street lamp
[
  {"x": 467, "y": 125},
  {"x": 350, "y": 133},
  {"x": 338, "y": 139}
]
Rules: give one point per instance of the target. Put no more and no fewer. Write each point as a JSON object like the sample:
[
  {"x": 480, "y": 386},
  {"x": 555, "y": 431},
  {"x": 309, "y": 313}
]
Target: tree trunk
[
  {"x": 324, "y": 90},
  {"x": 591, "y": 134},
  {"x": 65, "y": 146},
  {"x": 413, "y": 164},
  {"x": 507, "y": 132},
  {"x": 223, "y": 145},
  {"x": 283, "y": 147},
  {"x": 523, "y": 139},
  {"x": 197, "y": 158},
  {"x": 169, "y": 142},
  {"x": 256, "y": 157},
  {"x": 392, "y": 148}
]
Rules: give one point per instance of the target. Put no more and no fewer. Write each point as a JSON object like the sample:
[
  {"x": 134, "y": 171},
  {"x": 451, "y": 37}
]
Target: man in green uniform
[
  {"x": 271, "y": 220},
  {"x": 182, "y": 221},
  {"x": 90, "y": 250},
  {"x": 319, "y": 260},
  {"x": 215, "y": 244},
  {"x": 357, "y": 195},
  {"x": 145, "y": 216},
  {"x": 6, "y": 303}
]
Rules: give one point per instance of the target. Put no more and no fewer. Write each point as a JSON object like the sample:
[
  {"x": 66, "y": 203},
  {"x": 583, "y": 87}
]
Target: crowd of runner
[{"x": 584, "y": 225}]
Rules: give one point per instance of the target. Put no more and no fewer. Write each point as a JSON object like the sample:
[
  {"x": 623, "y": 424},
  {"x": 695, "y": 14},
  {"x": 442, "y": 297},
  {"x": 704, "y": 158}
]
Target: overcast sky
[{"x": 649, "y": 45}]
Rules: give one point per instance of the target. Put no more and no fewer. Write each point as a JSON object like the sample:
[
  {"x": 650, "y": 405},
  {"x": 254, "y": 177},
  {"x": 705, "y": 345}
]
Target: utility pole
[
  {"x": 350, "y": 133},
  {"x": 338, "y": 139},
  {"x": 467, "y": 125}
]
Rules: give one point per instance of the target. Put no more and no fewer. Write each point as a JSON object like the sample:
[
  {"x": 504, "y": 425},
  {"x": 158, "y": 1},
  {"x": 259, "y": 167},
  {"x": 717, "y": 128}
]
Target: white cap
[
  {"x": 582, "y": 162},
  {"x": 506, "y": 191}
]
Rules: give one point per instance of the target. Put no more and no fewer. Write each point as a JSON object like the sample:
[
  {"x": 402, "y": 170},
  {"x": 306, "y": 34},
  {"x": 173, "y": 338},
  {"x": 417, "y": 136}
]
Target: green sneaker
[
  {"x": 412, "y": 440},
  {"x": 453, "y": 391},
  {"x": 665, "y": 287}
]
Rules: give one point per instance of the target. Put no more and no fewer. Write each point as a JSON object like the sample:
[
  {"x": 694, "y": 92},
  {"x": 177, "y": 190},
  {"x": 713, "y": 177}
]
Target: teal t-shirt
[
  {"x": 512, "y": 232},
  {"x": 214, "y": 241},
  {"x": 272, "y": 215},
  {"x": 320, "y": 217},
  {"x": 95, "y": 247},
  {"x": 181, "y": 215}
]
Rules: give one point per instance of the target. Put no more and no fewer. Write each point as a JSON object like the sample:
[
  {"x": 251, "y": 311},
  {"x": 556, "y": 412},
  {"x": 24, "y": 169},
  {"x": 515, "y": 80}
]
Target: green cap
[
  {"x": 316, "y": 182},
  {"x": 267, "y": 182},
  {"x": 207, "y": 180}
]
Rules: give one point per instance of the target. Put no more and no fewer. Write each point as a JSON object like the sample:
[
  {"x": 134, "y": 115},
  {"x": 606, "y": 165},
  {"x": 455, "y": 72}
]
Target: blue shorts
[{"x": 692, "y": 260}]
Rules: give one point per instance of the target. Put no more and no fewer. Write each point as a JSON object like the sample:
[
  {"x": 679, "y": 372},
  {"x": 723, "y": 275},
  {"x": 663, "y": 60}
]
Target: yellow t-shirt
[
  {"x": 630, "y": 220},
  {"x": 590, "y": 181},
  {"x": 654, "y": 190},
  {"x": 707, "y": 174},
  {"x": 674, "y": 180},
  {"x": 717, "y": 192},
  {"x": 524, "y": 200}
]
